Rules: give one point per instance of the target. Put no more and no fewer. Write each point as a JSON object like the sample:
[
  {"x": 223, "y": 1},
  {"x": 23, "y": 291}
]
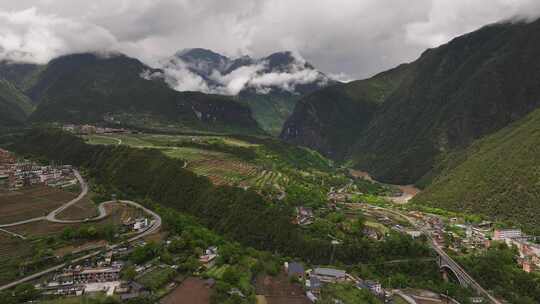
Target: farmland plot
[{"x": 31, "y": 202}]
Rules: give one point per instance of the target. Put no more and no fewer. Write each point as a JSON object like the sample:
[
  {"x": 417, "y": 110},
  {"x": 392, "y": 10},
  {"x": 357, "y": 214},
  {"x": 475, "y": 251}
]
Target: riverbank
[{"x": 407, "y": 191}]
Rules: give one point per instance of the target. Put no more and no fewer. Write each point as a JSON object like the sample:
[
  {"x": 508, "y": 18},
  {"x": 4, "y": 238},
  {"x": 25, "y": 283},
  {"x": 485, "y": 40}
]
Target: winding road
[{"x": 154, "y": 226}]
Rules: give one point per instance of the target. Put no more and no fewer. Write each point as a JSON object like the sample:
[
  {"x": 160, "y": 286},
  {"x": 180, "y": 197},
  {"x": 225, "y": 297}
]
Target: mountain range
[
  {"x": 270, "y": 86},
  {"x": 461, "y": 122},
  {"x": 87, "y": 88}
]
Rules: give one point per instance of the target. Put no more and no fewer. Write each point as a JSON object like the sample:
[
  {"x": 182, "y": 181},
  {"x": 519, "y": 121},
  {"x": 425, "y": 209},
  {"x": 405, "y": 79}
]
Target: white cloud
[
  {"x": 28, "y": 36},
  {"x": 255, "y": 76},
  {"x": 177, "y": 76},
  {"x": 355, "y": 37}
]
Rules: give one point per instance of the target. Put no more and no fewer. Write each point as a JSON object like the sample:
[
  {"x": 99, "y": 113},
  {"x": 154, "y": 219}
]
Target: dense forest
[{"x": 242, "y": 215}]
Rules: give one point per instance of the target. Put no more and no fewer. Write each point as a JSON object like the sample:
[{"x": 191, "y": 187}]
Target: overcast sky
[{"x": 356, "y": 38}]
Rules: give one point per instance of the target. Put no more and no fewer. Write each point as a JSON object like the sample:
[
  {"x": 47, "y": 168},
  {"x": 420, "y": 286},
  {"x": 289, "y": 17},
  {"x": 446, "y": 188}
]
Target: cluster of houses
[
  {"x": 314, "y": 280},
  {"x": 91, "y": 129},
  {"x": 208, "y": 258},
  {"x": 95, "y": 277},
  {"x": 529, "y": 252},
  {"x": 16, "y": 174},
  {"x": 304, "y": 216},
  {"x": 139, "y": 224},
  {"x": 480, "y": 237}
]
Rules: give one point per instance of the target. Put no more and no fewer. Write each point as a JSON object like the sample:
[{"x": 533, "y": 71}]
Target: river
[{"x": 407, "y": 191}]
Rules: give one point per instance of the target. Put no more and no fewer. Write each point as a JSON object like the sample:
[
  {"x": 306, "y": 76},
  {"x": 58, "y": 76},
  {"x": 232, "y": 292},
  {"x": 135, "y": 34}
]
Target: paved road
[
  {"x": 154, "y": 226},
  {"x": 84, "y": 191},
  {"x": 52, "y": 217}
]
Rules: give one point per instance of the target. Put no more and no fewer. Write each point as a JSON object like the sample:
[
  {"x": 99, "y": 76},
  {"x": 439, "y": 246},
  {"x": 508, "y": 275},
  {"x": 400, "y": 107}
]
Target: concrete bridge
[{"x": 447, "y": 264}]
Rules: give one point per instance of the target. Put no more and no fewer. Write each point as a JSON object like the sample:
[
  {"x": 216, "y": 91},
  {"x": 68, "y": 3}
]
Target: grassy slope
[{"x": 498, "y": 176}]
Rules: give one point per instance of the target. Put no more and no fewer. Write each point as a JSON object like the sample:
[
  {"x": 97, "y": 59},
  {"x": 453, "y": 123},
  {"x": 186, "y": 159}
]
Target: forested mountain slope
[
  {"x": 452, "y": 95},
  {"x": 497, "y": 176},
  {"x": 14, "y": 105},
  {"x": 331, "y": 119},
  {"x": 471, "y": 87},
  {"x": 90, "y": 88}
]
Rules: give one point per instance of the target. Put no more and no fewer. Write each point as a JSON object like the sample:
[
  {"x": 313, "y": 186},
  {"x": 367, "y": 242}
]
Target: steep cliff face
[{"x": 330, "y": 120}]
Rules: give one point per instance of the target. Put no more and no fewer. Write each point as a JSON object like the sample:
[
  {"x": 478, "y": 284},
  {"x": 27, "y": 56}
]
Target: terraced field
[
  {"x": 220, "y": 167},
  {"x": 224, "y": 160}
]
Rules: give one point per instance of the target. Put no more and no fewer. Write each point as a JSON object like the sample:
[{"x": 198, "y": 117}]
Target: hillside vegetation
[
  {"x": 91, "y": 88},
  {"x": 498, "y": 176},
  {"x": 331, "y": 119},
  {"x": 452, "y": 95},
  {"x": 147, "y": 174},
  {"x": 14, "y": 105},
  {"x": 471, "y": 87}
]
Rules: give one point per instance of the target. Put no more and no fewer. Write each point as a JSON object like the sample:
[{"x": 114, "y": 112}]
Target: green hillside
[
  {"x": 270, "y": 110},
  {"x": 397, "y": 124},
  {"x": 498, "y": 176},
  {"x": 14, "y": 106},
  {"x": 330, "y": 120},
  {"x": 88, "y": 88},
  {"x": 461, "y": 91}
]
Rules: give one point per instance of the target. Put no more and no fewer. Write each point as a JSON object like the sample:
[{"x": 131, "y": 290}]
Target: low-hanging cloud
[
  {"x": 256, "y": 76},
  {"x": 28, "y": 36},
  {"x": 355, "y": 38}
]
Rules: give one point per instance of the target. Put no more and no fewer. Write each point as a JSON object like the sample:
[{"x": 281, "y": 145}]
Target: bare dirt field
[
  {"x": 84, "y": 208},
  {"x": 191, "y": 291},
  {"x": 278, "y": 290},
  {"x": 31, "y": 202}
]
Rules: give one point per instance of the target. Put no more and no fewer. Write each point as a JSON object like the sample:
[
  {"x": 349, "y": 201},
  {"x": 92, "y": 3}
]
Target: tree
[
  {"x": 25, "y": 292},
  {"x": 232, "y": 275},
  {"x": 128, "y": 273}
]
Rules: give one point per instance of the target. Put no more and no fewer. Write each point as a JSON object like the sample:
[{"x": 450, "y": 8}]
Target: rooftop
[{"x": 330, "y": 272}]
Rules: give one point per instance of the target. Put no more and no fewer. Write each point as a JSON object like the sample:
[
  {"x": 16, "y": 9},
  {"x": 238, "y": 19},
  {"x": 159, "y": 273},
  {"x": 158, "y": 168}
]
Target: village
[
  {"x": 107, "y": 273},
  {"x": 18, "y": 173},
  {"x": 93, "y": 129}
]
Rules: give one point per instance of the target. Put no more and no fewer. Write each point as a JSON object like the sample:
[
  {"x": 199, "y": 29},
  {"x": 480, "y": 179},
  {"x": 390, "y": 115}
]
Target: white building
[{"x": 503, "y": 234}]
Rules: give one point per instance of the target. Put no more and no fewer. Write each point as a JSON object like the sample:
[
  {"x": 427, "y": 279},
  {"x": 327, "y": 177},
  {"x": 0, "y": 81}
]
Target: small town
[{"x": 16, "y": 174}]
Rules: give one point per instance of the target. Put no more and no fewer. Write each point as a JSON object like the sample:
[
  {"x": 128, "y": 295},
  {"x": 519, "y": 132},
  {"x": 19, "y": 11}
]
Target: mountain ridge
[
  {"x": 89, "y": 87},
  {"x": 454, "y": 94},
  {"x": 270, "y": 85}
]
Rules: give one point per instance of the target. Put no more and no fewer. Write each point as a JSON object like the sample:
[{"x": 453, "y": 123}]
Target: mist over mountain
[
  {"x": 270, "y": 85},
  {"x": 206, "y": 71}
]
